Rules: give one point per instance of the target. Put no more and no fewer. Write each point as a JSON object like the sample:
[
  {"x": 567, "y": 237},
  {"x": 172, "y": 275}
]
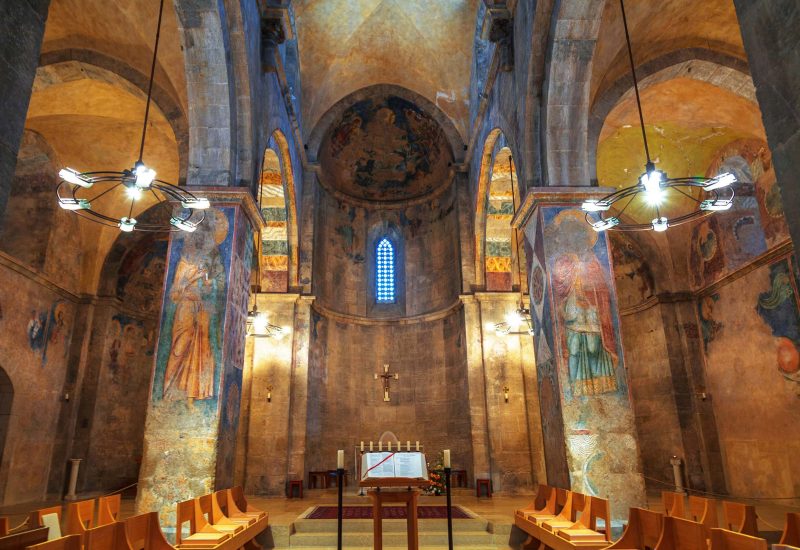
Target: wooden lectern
[{"x": 400, "y": 489}]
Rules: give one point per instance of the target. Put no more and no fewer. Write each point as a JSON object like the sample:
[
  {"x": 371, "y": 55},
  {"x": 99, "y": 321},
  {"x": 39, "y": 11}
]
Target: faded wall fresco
[
  {"x": 274, "y": 238},
  {"x": 197, "y": 376},
  {"x": 385, "y": 149},
  {"x": 500, "y": 243},
  {"x": 754, "y": 380},
  {"x": 579, "y": 333}
]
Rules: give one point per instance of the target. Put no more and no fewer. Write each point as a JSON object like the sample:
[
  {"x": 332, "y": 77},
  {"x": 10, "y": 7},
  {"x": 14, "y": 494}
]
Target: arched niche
[
  {"x": 278, "y": 204},
  {"x": 499, "y": 258}
]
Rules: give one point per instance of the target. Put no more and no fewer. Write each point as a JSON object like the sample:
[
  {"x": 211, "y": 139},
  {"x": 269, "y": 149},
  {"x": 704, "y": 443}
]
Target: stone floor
[{"x": 495, "y": 515}]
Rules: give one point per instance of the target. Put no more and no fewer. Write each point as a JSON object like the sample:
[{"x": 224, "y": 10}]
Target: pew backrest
[
  {"x": 643, "y": 530},
  {"x": 740, "y": 518},
  {"x": 23, "y": 539},
  {"x": 682, "y": 534},
  {"x": 108, "y": 509},
  {"x": 673, "y": 504},
  {"x": 600, "y": 509},
  {"x": 110, "y": 536},
  {"x": 69, "y": 542},
  {"x": 3, "y": 526},
  {"x": 791, "y": 530},
  {"x": 188, "y": 512},
  {"x": 143, "y": 532},
  {"x": 722, "y": 539},
  {"x": 35, "y": 517},
  {"x": 703, "y": 510},
  {"x": 80, "y": 517}
]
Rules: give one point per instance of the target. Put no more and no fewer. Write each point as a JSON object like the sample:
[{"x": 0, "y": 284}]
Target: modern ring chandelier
[
  {"x": 95, "y": 195},
  {"x": 713, "y": 194}
]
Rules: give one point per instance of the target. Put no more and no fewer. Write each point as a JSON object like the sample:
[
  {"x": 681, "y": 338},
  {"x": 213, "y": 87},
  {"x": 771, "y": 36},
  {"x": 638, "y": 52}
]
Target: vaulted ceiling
[{"x": 421, "y": 45}]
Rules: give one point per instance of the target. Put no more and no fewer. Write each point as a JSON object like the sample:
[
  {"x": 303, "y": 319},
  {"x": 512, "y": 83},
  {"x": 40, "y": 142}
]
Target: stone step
[
  {"x": 389, "y": 525},
  {"x": 481, "y": 539}
]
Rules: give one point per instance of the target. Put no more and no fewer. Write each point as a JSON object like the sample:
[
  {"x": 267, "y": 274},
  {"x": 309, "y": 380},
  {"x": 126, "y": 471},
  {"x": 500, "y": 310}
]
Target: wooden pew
[
  {"x": 673, "y": 504},
  {"x": 224, "y": 525},
  {"x": 80, "y": 517},
  {"x": 544, "y": 502},
  {"x": 144, "y": 533},
  {"x": 585, "y": 528},
  {"x": 108, "y": 509},
  {"x": 563, "y": 500},
  {"x": 228, "y": 507},
  {"x": 241, "y": 536},
  {"x": 200, "y": 532},
  {"x": 69, "y": 542},
  {"x": 110, "y": 536},
  {"x": 37, "y": 519},
  {"x": 722, "y": 539},
  {"x": 219, "y": 507},
  {"x": 643, "y": 530},
  {"x": 703, "y": 510},
  {"x": 237, "y": 494},
  {"x": 740, "y": 518},
  {"x": 573, "y": 515},
  {"x": 791, "y": 532},
  {"x": 532, "y": 524},
  {"x": 23, "y": 539},
  {"x": 682, "y": 534}
]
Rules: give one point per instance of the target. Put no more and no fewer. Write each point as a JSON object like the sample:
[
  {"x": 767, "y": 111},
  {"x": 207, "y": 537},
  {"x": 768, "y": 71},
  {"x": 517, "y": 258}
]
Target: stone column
[
  {"x": 193, "y": 414},
  {"x": 769, "y": 32},
  {"x": 21, "y": 31},
  {"x": 268, "y": 434},
  {"x": 476, "y": 384},
  {"x": 298, "y": 408},
  {"x": 588, "y": 422}
]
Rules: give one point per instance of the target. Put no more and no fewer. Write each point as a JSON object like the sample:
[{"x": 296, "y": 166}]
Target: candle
[
  {"x": 380, "y": 445},
  {"x": 408, "y": 445},
  {"x": 447, "y": 458},
  {"x": 340, "y": 459},
  {"x": 417, "y": 445},
  {"x": 390, "y": 446},
  {"x": 370, "y": 446},
  {"x": 362, "y": 446}
]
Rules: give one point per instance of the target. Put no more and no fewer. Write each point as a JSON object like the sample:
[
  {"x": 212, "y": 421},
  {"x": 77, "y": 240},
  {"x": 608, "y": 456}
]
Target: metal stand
[
  {"x": 449, "y": 509},
  {"x": 340, "y": 479}
]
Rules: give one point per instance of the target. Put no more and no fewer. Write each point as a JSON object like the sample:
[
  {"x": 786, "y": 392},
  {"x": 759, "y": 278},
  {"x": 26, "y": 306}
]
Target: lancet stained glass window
[{"x": 384, "y": 276}]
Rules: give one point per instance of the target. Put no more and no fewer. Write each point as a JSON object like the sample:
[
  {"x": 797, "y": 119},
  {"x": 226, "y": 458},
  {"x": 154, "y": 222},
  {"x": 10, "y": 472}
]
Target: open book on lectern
[{"x": 388, "y": 464}]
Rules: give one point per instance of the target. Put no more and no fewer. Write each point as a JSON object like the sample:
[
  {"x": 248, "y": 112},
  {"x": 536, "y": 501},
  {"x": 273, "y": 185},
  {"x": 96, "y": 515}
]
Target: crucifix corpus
[{"x": 386, "y": 376}]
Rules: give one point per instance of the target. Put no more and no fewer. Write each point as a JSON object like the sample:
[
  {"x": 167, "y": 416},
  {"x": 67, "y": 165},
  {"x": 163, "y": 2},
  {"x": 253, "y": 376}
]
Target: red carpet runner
[{"x": 389, "y": 512}]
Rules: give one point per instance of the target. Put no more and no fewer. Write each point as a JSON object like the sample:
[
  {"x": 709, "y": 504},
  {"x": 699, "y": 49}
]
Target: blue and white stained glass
[{"x": 384, "y": 276}]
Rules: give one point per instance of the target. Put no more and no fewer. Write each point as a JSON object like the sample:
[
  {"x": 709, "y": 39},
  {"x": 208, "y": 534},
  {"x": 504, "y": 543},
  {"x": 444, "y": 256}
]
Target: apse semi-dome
[{"x": 385, "y": 149}]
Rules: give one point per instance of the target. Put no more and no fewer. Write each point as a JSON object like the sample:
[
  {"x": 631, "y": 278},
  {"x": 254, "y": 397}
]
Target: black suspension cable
[
  {"x": 635, "y": 84},
  {"x": 150, "y": 85}
]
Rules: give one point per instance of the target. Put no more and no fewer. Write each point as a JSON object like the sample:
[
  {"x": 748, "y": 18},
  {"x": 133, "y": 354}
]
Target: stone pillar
[
  {"x": 769, "y": 32},
  {"x": 21, "y": 31},
  {"x": 298, "y": 408},
  {"x": 193, "y": 414},
  {"x": 511, "y": 454},
  {"x": 270, "y": 402},
  {"x": 476, "y": 384},
  {"x": 587, "y": 416}
]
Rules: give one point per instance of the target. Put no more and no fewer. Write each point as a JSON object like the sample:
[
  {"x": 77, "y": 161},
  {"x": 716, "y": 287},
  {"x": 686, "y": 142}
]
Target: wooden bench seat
[
  {"x": 237, "y": 495},
  {"x": 791, "y": 531},
  {"x": 682, "y": 534},
  {"x": 37, "y": 519},
  {"x": 740, "y": 518},
  {"x": 23, "y": 539},
  {"x": 563, "y": 531},
  {"x": 69, "y": 542},
  {"x": 722, "y": 539},
  {"x": 200, "y": 532},
  {"x": 643, "y": 530},
  {"x": 143, "y": 532},
  {"x": 110, "y": 536}
]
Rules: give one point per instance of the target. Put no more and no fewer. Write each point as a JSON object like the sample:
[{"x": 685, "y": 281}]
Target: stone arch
[
  {"x": 278, "y": 204},
  {"x": 379, "y": 90},
  {"x": 721, "y": 70},
  {"x": 202, "y": 25},
  {"x": 62, "y": 66},
  {"x": 495, "y": 142},
  {"x": 6, "y": 401}
]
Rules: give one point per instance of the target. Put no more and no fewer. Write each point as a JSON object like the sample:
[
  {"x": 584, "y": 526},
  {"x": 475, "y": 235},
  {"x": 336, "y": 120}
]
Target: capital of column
[
  {"x": 220, "y": 196},
  {"x": 538, "y": 197}
]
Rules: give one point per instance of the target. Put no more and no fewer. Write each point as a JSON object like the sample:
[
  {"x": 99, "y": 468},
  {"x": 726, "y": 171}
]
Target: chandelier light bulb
[
  {"x": 594, "y": 205},
  {"x": 134, "y": 192},
  {"x": 651, "y": 182},
  {"x": 722, "y": 180},
  {"x": 144, "y": 176},
  {"x": 127, "y": 224},
  {"x": 715, "y": 205},
  {"x": 199, "y": 203},
  {"x": 514, "y": 319},
  {"x": 608, "y": 223},
  {"x": 183, "y": 225},
  {"x": 260, "y": 323},
  {"x": 74, "y": 177},
  {"x": 660, "y": 224},
  {"x": 74, "y": 204}
]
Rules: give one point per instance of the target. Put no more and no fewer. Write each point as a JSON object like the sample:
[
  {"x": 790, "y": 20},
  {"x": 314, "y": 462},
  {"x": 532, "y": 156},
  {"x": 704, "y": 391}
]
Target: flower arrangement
[{"x": 436, "y": 476}]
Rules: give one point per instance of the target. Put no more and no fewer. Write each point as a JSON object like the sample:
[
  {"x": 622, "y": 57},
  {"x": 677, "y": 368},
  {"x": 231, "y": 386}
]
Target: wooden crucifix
[{"x": 386, "y": 376}]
